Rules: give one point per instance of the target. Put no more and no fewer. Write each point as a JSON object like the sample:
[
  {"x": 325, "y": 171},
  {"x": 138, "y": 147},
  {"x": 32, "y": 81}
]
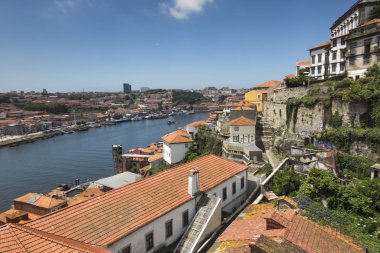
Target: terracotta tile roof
[
  {"x": 178, "y": 136},
  {"x": 263, "y": 91},
  {"x": 40, "y": 200},
  {"x": 268, "y": 84},
  {"x": 242, "y": 121},
  {"x": 112, "y": 216},
  {"x": 291, "y": 76},
  {"x": 243, "y": 103},
  {"x": 324, "y": 44},
  {"x": 303, "y": 63},
  {"x": 156, "y": 157},
  {"x": 198, "y": 123},
  {"x": 242, "y": 108},
  {"x": 16, "y": 238},
  {"x": 285, "y": 228}
]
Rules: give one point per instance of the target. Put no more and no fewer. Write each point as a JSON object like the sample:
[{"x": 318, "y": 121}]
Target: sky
[{"x": 97, "y": 45}]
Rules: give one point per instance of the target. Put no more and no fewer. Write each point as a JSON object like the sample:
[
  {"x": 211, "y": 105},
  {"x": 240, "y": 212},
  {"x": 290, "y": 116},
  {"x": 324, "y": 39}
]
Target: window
[
  {"x": 185, "y": 218},
  {"x": 235, "y": 138},
  {"x": 259, "y": 96},
  {"x": 342, "y": 54},
  {"x": 319, "y": 58},
  {"x": 149, "y": 242},
  {"x": 168, "y": 229},
  {"x": 319, "y": 69},
  {"x": 126, "y": 249},
  {"x": 312, "y": 70},
  {"x": 342, "y": 66},
  {"x": 366, "y": 59},
  {"x": 224, "y": 193},
  {"x": 342, "y": 41},
  {"x": 242, "y": 182},
  {"x": 233, "y": 188},
  {"x": 352, "y": 60},
  {"x": 334, "y": 55},
  {"x": 186, "y": 145},
  {"x": 313, "y": 59},
  {"x": 236, "y": 128},
  {"x": 334, "y": 43},
  {"x": 353, "y": 48},
  {"x": 333, "y": 67}
]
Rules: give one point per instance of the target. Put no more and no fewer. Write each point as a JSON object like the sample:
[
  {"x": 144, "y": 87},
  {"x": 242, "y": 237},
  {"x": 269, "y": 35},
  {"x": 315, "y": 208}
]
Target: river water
[{"x": 41, "y": 166}]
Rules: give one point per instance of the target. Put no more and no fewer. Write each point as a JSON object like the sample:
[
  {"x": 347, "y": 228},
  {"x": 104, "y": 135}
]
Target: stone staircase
[
  {"x": 193, "y": 235},
  {"x": 264, "y": 139}
]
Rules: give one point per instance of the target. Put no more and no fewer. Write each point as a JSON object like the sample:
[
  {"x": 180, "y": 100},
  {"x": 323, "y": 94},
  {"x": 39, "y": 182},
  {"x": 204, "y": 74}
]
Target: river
[{"x": 42, "y": 165}]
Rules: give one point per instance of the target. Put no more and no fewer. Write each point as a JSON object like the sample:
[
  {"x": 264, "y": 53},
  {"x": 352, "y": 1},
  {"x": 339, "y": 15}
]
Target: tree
[{"x": 286, "y": 182}]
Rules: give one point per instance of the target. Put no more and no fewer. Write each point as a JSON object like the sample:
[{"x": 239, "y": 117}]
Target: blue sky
[{"x": 96, "y": 45}]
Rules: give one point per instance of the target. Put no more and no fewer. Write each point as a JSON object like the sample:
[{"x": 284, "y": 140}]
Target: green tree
[{"x": 286, "y": 182}]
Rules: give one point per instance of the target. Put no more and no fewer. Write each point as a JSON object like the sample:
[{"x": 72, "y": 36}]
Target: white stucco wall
[
  {"x": 137, "y": 238},
  {"x": 174, "y": 153},
  {"x": 246, "y": 134}
]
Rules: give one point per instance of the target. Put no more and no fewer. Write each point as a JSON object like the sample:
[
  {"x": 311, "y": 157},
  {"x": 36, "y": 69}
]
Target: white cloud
[
  {"x": 66, "y": 5},
  {"x": 181, "y": 9}
]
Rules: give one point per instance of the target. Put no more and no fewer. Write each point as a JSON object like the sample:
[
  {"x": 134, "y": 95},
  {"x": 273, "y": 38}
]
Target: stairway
[
  {"x": 263, "y": 134},
  {"x": 194, "y": 233}
]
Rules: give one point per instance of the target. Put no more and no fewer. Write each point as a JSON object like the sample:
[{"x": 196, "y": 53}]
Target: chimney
[{"x": 193, "y": 182}]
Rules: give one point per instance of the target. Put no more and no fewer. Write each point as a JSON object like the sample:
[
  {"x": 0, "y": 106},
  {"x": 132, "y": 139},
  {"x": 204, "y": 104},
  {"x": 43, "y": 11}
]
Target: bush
[
  {"x": 286, "y": 182},
  {"x": 352, "y": 166}
]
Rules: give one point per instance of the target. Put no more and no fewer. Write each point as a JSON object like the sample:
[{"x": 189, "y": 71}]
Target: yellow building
[{"x": 258, "y": 94}]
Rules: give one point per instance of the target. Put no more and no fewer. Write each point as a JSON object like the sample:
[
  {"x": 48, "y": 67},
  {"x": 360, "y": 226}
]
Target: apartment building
[
  {"x": 330, "y": 58},
  {"x": 176, "y": 145}
]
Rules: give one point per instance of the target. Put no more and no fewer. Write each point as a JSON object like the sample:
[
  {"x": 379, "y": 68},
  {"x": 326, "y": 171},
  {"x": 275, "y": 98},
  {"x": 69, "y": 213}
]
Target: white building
[
  {"x": 192, "y": 128},
  {"x": 153, "y": 213},
  {"x": 176, "y": 145},
  {"x": 329, "y": 59},
  {"x": 241, "y": 145}
]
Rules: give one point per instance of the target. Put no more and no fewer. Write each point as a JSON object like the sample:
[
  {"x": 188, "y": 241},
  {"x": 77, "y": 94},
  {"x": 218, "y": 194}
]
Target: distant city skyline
[{"x": 97, "y": 45}]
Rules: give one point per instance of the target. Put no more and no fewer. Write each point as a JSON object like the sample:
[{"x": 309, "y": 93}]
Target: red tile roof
[
  {"x": 243, "y": 108},
  {"x": 198, "y": 123},
  {"x": 156, "y": 157},
  {"x": 242, "y": 121},
  {"x": 112, "y": 216},
  {"x": 324, "y": 44},
  {"x": 178, "y": 136},
  {"x": 291, "y": 76},
  {"x": 285, "y": 226},
  {"x": 268, "y": 84},
  {"x": 303, "y": 63},
  {"x": 16, "y": 238},
  {"x": 40, "y": 200}
]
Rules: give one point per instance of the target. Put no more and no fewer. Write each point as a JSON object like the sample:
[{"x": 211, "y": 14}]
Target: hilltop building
[
  {"x": 241, "y": 147},
  {"x": 352, "y": 30},
  {"x": 302, "y": 65},
  {"x": 258, "y": 94},
  {"x": 152, "y": 213},
  {"x": 176, "y": 145}
]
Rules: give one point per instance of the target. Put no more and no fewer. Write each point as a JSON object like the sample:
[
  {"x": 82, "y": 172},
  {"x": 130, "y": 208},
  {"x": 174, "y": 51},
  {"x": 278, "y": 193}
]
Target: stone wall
[{"x": 350, "y": 111}]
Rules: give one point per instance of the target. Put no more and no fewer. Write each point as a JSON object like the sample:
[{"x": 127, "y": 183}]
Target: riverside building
[{"x": 152, "y": 213}]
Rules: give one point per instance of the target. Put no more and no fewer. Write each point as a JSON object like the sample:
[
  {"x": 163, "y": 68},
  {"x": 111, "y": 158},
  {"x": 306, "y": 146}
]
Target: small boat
[{"x": 170, "y": 122}]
